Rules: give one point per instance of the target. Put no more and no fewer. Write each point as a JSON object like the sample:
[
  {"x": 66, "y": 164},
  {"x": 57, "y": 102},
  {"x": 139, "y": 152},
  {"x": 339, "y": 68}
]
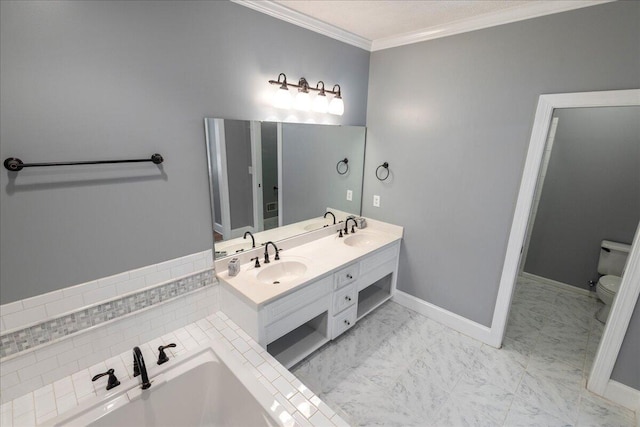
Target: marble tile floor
[{"x": 399, "y": 368}]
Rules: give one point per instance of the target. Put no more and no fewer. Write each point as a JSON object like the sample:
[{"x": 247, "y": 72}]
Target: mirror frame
[{"x": 624, "y": 304}]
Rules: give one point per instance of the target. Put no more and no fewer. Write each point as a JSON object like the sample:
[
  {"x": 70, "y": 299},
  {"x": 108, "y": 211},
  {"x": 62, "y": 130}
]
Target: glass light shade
[
  {"x": 302, "y": 102},
  {"x": 336, "y": 106},
  {"x": 321, "y": 104},
  {"x": 282, "y": 99}
]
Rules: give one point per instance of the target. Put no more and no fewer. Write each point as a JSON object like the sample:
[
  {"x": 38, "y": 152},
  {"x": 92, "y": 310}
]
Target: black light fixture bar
[
  {"x": 303, "y": 84},
  {"x": 14, "y": 164}
]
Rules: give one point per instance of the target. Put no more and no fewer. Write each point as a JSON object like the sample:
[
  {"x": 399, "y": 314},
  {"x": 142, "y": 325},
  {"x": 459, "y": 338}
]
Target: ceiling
[{"x": 380, "y": 24}]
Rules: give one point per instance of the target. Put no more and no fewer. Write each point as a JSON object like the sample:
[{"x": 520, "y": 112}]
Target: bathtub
[{"x": 205, "y": 387}]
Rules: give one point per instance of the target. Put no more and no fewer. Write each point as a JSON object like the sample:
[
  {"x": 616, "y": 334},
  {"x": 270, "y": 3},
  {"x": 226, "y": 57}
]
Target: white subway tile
[
  {"x": 38, "y": 369},
  {"x": 10, "y": 308},
  {"x": 301, "y": 420},
  {"x": 270, "y": 388},
  {"x": 18, "y": 363},
  {"x": 25, "y": 317},
  {"x": 9, "y": 380},
  {"x": 66, "y": 402},
  {"x": 199, "y": 264},
  {"x": 141, "y": 272},
  {"x": 157, "y": 277},
  {"x": 21, "y": 389},
  {"x": 284, "y": 387},
  {"x": 27, "y": 419},
  {"x": 54, "y": 349},
  {"x": 74, "y": 354},
  {"x": 23, "y": 404},
  {"x": 131, "y": 285},
  {"x": 6, "y": 415},
  {"x": 62, "y": 387},
  {"x": 241, "y": 345},
  {"x": 42, "y": 299},
  {"x": 90, "y": 359},
  {"x": 285, "y": 403},
  {"x": 305, "y": 407},
  {"x": 99, "y": 294},
  {"x": 101, "y": 344},
  {"x": 44, "y": 404},
  {"x": 46, "y": 417},
  {"x": 43, "y": 390},
  {"x": 121, "y": 346},
  {"x": 319, "y": 420},
  {"x": 182, "y": 270},
  {"x": 268, "y": 371},
  {"x": 63, "y": 306},
  {"x": 80, "y": 289},
  {"x": 112, "y": 280},
  {"x": 62, "y": 371},
  {"x": 136, "y": 329}
]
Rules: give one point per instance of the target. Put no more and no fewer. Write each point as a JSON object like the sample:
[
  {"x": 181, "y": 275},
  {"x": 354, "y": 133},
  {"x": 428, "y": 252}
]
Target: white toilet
[{"x": 613, "y": 256}]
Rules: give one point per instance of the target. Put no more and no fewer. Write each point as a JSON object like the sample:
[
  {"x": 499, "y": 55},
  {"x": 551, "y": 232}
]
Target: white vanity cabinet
[{"x": 300, "y": 321}]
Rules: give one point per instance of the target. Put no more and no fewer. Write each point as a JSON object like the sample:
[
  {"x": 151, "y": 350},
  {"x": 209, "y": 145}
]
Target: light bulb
[
  {"x": 320, "y": 103},
  {"x": 282, "y": 98},
  {"x": 336, "y": 106},
  {"x": 302, "y": 102}
]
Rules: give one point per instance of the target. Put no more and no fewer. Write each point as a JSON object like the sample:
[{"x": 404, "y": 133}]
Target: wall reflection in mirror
[{"x": 277, "y": 180}]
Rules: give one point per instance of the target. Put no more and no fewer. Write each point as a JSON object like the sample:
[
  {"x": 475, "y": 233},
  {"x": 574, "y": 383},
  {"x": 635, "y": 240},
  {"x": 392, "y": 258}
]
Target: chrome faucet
[
  {"x": 330, "y": 213},
  {"x": 253, "y": 240},
  {"x": 353, "y": 227},
  {"x": 139, "y": 368},
  {"x": 266, "y": 252}
]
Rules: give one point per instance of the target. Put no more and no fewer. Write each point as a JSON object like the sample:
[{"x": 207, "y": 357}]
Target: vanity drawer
[
  {"x": 344, "y": 298},
  {"x": 346, "y": 275},
  {"x": 287, "y": 324},
  {"x": 297, "y": 299},
  {"x": 344, "y": 321}
]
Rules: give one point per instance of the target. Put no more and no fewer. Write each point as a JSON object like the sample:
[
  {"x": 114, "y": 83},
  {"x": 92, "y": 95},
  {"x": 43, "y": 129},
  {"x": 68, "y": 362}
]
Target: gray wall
[
  {"x": 627, "y": 367},
  {"x": 310, "y": 180},
  {"x": 238, "y": 146},
  {"x": 591, "y": 192},
  {"x": 453, "y": 118},
  {"x": 96, "y": 80}
]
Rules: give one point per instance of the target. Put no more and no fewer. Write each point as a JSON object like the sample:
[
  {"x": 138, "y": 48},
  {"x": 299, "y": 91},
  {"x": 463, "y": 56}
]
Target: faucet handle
[
  {"x": 112, "y": 382},
  {"x": 277, "y": 257},
  {"x": 162, "y": 356},
  {"x": 353, "y": 228},
  {"x": 257, "y": 264},
  {"x": 340, "y": 235}
]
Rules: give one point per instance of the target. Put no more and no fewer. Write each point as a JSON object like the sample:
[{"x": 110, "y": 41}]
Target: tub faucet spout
[{"x": 139, "y": 368}]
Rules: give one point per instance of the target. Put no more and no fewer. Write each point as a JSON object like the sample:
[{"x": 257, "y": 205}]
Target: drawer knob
[
  {"x": 349, "y": 276},
  {"x": 347, "y": 323},
  {"x": 348, "y": 298}
]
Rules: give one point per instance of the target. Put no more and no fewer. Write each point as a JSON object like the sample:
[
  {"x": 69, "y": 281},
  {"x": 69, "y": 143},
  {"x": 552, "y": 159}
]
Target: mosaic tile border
[{"x": 52, "y": 329}]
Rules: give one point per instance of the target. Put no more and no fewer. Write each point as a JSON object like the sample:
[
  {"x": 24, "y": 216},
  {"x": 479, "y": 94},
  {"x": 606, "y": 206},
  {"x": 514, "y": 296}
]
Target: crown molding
[
  {"x": 284, "y": 13},
  {"x": 532, "y": 10}
]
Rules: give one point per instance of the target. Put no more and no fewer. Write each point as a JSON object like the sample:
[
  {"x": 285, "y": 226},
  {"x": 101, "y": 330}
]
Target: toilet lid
[{"x": 611, "y": 283}]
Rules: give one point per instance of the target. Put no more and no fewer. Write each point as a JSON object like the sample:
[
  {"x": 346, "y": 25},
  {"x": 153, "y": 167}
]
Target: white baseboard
[
  {"x": 447, "y": 318},
  {"x": 561, "y": 285},
  {"x": 623, "y": 395}
]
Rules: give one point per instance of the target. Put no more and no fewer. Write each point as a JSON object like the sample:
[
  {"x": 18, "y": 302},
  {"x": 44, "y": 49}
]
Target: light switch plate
[
  {"x": 349, "y": 195},
  {"x": 376, "y": 200}
]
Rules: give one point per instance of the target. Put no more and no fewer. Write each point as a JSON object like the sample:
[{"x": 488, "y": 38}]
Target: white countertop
[{"x": 322, "y": 257}]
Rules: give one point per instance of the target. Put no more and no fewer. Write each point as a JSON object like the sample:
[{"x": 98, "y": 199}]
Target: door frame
[{"x": 624, "y": 304}]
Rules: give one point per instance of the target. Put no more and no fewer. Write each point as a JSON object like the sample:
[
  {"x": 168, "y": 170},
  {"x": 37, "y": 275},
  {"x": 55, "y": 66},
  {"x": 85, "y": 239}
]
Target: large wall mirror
[{"x": 277, "y": 180}]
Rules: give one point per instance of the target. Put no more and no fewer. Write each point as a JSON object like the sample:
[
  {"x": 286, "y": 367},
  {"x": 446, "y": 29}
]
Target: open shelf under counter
[
  {"x": 374, "y": 295},
  {"x": 300, "y": 342}
]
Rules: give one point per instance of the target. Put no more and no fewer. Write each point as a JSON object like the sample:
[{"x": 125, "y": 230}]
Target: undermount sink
[
  {"x": 281, "y": 272},
  {"x": 314, "y": 226},
  {"x": 362, "y": 240}
]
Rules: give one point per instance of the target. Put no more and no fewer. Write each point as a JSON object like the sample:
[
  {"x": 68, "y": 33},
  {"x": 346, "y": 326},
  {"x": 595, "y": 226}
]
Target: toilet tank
[{"x": 613, "y": 256}]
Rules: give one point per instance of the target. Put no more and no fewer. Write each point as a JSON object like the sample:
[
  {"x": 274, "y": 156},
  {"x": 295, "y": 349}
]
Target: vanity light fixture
[
  {"x": 320, "y": 103},
  {"x": 282, "y": 98},
  {"x": 303, "y": 100},
  {"x": 336, "y": 106}
]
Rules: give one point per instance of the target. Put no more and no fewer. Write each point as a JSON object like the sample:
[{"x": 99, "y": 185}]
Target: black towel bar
[{"x": 14, "y": 164}]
